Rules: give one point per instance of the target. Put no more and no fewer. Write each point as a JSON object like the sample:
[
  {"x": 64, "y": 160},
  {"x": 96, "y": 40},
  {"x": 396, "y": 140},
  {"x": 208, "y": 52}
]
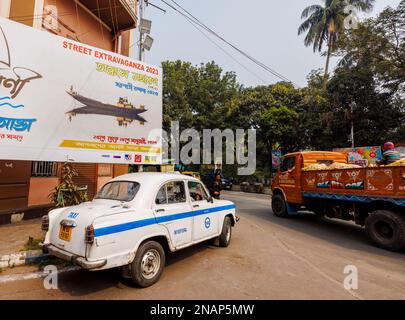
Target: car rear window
[{"x": 118, "y": 190}]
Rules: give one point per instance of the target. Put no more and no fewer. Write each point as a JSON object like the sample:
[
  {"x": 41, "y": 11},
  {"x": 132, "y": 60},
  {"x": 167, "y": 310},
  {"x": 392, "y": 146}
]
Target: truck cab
[{"x": 287, "y": 183}]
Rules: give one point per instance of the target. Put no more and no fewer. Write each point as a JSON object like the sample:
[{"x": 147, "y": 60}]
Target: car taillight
[
  {"x": 89, "y": 234},
  {"x": 45, "y": 223}
]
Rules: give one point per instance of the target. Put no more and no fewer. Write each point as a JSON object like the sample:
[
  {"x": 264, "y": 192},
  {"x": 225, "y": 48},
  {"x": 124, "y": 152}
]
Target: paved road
[{"x": 269, "y": 258}]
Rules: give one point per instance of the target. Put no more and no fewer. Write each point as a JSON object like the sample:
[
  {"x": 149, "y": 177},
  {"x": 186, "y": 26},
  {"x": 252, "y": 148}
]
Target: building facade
[{"x": 107, "y": 24}]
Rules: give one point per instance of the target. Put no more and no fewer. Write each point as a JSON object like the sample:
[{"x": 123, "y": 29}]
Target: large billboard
[{"x": 63, "y": 100}]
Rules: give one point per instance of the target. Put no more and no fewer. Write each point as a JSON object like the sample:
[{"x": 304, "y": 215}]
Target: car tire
[
  {"x": 279, "y": 206},
  {"x": 148, "y": 265},
  {"x": 386, "y": 229},
  {"x": 226, "y": 233}
]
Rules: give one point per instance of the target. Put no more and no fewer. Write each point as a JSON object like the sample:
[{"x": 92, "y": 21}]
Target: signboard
[
  {"x": 60, "y": 100},
  {"x": 363, "y": 156},
  {"x": 276, "y": 158}
]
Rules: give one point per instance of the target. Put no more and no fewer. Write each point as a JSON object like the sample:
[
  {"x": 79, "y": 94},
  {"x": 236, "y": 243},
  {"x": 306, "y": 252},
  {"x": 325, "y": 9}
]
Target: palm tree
[{"x": 325, "y": 23}]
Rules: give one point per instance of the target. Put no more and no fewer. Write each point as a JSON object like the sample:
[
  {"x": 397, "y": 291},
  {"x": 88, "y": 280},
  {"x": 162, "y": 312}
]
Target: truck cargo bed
[{"x": 357, "y": 185}]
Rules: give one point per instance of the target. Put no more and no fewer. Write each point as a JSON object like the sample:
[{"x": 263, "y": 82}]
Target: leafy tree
[
  {"x": 325, "y": 24},
  {"x": 314, "y": 115},
  {"x": 317, "y": 116},
  {"x": 196, "y": 96},
  {"x": 378, "y": 44},
  {"x": 271, "y": 111},
  {"x": 375, "y": 117},
  {"x": 371, "y": 74},
  {"x": 179, "y": 80}
]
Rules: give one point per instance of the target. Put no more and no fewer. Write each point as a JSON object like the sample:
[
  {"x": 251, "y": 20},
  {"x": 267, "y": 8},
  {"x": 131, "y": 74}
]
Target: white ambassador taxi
[{"x": 133, "y": 220}]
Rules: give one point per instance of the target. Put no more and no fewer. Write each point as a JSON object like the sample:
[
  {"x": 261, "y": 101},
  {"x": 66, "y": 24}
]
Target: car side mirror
[{"x": 210, "y": 199}]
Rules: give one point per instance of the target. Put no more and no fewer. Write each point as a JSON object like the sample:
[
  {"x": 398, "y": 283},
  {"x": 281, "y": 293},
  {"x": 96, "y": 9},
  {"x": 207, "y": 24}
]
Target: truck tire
[
  {"x": 386, "y": 229},
  {"x": 147, "y": 267},
  {"x": 226, "y": 234},
  {"x": 279, "y": 206}
]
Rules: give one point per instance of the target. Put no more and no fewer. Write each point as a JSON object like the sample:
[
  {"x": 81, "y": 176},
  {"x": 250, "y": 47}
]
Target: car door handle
[
  {"x": 196, "y": 206},
  {"x": 160, "y": 210}
]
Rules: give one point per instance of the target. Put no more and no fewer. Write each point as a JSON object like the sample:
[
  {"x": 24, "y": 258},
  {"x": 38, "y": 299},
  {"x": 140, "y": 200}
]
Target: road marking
[{"x": 34, "y": 275}]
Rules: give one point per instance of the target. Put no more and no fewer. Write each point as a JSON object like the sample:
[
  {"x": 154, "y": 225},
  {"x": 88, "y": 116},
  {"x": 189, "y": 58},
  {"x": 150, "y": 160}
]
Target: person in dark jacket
[{"x": 215, "y": 189}]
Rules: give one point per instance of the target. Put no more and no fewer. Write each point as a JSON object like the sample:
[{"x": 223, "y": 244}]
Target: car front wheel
[
  {"x": 147, "y": 267},
  {"x": 226, "y": 234}
]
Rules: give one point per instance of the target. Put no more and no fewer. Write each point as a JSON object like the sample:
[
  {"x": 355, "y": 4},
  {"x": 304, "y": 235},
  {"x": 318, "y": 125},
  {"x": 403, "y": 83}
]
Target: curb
[
  {"x": 34, "y": 275},
  {"x": 17, "y": 215},
  {"x": 21, "y": 258}
]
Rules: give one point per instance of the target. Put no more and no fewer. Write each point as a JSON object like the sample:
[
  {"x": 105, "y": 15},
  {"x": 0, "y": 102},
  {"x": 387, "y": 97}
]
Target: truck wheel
[
  {"x": 148, "y": 264},
  {"x": 225, "y": 236},
  {"x": 386, "y": 229},
  {"x": 279, "y": 206}
]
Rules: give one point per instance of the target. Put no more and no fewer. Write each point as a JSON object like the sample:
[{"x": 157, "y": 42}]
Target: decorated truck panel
[{"x": 358, "y": 185}]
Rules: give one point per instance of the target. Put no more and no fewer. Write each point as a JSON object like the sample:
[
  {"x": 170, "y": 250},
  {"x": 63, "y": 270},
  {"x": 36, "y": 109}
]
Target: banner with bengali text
[{"x": 63, "y": 100}]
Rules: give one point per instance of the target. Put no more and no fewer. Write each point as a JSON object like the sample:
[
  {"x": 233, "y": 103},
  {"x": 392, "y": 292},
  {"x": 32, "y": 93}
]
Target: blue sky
[{"x": 265, "y": 29}]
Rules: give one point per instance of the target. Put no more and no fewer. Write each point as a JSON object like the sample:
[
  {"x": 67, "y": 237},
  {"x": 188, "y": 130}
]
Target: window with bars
[{"x": 44, "y": 169}]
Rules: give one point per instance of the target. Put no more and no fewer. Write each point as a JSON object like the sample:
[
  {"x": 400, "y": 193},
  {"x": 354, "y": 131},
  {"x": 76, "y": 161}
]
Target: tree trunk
[{"x": 325, "y": 78}]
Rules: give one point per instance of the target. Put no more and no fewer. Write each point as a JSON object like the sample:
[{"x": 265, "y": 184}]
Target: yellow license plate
[{"x": 65, "y": 233}]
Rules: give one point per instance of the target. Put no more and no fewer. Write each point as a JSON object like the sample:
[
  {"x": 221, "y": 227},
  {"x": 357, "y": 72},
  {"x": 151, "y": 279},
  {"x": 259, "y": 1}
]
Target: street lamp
[
  {"x": 145, "y": 26},
  {"x": 148, "y": 42}
]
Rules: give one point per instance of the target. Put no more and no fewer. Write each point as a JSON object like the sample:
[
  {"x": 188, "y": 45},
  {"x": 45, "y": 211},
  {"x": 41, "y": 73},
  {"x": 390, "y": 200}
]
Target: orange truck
[{"x": 373, "y": 197}]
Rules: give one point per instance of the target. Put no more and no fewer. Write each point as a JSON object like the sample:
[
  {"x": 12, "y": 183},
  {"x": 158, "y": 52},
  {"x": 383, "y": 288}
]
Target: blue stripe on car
[{"x": 147, "y": 222}]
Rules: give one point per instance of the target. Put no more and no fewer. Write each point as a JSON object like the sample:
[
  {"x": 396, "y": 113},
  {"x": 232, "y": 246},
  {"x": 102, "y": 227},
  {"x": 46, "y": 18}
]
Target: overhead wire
[
  {"x": 186, "y": 14},
  {"x": 227, "y": 53}
]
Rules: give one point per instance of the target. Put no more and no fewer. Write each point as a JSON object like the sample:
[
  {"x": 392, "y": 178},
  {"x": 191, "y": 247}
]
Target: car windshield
[{"x": 118, "y": 190}]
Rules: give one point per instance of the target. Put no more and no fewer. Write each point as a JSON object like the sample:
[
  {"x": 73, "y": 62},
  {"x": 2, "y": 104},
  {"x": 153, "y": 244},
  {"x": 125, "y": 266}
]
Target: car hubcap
[
  {"x": 150, "y": 264},
  {"x": 384, "y": 229}
]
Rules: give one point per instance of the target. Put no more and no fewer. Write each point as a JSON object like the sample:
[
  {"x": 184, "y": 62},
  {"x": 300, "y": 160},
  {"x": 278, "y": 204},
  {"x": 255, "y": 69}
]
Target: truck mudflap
[
  {"x": 74, "y": 259},
  {"x": 292, "y": 208}
]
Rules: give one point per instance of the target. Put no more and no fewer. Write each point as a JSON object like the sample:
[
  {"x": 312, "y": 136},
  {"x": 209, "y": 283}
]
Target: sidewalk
[{"x": 14, "y": 236}]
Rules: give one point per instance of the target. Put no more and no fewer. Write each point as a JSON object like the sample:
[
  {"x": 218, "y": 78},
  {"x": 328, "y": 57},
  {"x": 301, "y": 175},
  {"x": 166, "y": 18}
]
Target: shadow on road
[{"x": 82, "y": 283}]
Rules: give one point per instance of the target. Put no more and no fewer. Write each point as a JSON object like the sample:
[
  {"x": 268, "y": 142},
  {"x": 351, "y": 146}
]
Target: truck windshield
[
  {"x": 287, "y": 164},
  {"x": 118, "y": 190}
]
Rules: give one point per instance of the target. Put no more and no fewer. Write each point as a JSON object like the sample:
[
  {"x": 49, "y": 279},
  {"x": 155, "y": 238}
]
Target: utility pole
[
  {"x": 141, "y": 35},
  {"x": 352, "y": 105},
  {"x": 141, "y": 47}
]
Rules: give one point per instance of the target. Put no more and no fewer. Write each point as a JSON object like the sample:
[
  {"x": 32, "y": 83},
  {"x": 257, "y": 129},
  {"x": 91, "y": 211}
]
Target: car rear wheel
[
  {"x": 148, "y": 264},
  {"x": 386, "y": 229},
  {"x": 279, "y": 206},
  {"x": 226, "y": 234}
]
